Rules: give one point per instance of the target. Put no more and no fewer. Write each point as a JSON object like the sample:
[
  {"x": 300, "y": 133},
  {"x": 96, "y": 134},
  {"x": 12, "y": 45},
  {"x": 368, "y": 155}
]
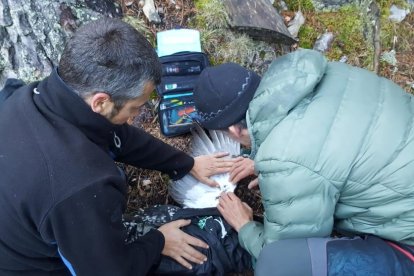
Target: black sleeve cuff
[
  {"x": 158, "y": 239},
  {"x": 187, "y": 163}
]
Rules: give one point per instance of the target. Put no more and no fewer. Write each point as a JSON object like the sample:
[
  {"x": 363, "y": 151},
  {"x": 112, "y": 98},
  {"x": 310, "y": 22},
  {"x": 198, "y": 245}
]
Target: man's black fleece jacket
[{"x": 61, "y": 194}]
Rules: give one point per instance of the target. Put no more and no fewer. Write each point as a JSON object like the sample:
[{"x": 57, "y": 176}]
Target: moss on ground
[
  {"x": 223, "y": 44},
  {"x": 348, "y": 33},
  {"x": 402, "y": 32},
  {"x": 350, "y": 24},
  {"x": 302, "y": 5},
  {"x": 307, "y": 36},
  {"x": 213, "y": 15},
  {"x": 351, "y": 28}
]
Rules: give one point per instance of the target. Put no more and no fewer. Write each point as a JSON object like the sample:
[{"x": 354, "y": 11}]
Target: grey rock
[
  {"x": 323, "y": 42},
  {"x": 33, "y": 33},
  {"x": 397, "y": 14},
  {"x": 150, "y": 11},
  {"x": 295, "y": 24},
  {"x": 343, "y": 59},
  {"x": 5, "y": 16}
]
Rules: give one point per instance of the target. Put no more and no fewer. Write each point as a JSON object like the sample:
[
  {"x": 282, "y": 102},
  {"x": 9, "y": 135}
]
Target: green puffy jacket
[{"x": 334, "y": 148}]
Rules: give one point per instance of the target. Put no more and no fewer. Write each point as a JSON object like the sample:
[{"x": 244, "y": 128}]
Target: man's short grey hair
[{"x": 109, "y": 55}]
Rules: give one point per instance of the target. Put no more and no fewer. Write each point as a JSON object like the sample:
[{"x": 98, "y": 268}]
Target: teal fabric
[{"x": 333, "y": 147}]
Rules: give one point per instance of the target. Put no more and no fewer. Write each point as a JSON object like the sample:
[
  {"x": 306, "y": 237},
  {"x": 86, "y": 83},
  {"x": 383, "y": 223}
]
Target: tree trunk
[{"x": 33, "y": 33}]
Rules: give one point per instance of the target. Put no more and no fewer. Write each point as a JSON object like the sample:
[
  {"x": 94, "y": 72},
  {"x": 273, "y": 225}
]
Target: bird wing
[{"x": 188, "y": 191}]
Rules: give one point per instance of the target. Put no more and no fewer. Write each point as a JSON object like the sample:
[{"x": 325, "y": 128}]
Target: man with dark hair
[
  {"x": 333, "y": 148},
  {"x": 61, "y": 194}
]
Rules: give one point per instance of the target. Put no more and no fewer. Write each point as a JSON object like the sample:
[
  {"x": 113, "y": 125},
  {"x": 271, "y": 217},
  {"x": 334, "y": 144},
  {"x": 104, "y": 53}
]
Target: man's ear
[
  {"x": 99, "y": 102},
  {"x": 235, "y": 130}
]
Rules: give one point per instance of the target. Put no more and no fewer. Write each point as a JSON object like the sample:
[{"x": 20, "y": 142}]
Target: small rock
[
  {"x": 397, "y": 14},
  {"x": 295, "y": 24},
  {"x": 324, "y": 41},
  {"x": 343, "y": 59},
  {"x": 150, "y": 12}
]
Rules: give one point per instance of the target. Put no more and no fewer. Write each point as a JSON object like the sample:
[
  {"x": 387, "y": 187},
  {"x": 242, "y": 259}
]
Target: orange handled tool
[{"x": 186, "y": 110}]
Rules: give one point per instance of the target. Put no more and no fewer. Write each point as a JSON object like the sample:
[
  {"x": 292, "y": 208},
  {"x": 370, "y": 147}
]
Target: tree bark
[{"x": 33, "y": 33}]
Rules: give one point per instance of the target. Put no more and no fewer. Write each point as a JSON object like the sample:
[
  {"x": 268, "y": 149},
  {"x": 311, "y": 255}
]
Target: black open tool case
[{"x": 180, "y": 72}]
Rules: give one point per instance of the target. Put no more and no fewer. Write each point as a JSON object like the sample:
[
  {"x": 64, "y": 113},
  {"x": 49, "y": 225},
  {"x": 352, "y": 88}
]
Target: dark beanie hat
[{"x": 223, "y": 93}]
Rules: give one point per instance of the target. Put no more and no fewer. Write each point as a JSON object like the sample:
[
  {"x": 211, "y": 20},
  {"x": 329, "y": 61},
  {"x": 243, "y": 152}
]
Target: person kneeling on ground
[
  {"x": 333, "y": 148},
  {"x": 61, "y": 193}
]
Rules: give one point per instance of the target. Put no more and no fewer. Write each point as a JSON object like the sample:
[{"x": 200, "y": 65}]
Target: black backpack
[{"x": 224, "y": 255}]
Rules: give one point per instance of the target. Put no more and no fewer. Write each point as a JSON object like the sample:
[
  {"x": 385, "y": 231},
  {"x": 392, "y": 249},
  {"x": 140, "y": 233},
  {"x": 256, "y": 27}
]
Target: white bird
[{"x": 188, "y": 191}]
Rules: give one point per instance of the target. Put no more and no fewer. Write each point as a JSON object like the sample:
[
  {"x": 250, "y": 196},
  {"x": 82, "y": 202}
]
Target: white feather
[{"x": 191, "y": 193}]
